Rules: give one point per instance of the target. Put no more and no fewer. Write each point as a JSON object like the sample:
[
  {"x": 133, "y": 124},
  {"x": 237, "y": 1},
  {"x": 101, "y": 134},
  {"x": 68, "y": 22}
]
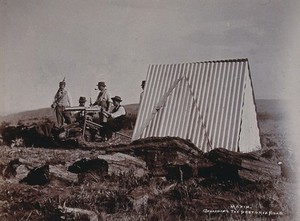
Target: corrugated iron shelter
[{"x": 210, "y": 103}]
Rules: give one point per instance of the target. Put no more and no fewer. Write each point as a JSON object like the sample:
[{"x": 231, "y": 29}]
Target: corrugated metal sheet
[{"x": 200, "y": 101}]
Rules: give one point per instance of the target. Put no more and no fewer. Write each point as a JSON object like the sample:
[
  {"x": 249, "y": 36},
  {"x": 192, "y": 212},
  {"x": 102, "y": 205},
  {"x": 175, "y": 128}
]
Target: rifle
[{"x": 57, "y": 99}]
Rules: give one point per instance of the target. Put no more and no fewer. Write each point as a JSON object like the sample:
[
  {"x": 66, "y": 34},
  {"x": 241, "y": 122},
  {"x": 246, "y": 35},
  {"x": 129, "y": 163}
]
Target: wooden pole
[{"x": 84, "y": 125}]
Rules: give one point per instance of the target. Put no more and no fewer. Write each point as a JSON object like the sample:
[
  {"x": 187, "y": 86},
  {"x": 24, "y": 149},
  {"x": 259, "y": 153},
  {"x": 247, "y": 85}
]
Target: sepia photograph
[{"x": 154, "y": 110}]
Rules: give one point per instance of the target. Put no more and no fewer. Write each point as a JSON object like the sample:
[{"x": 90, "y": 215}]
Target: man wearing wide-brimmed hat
[
  {"x": 115, "y": 118},
  {"x": 80, "y": 114},
  {"x": 103, "y": 100},
  {"x": 62, "y": 99},
  {"x": 82, "y": 101}
]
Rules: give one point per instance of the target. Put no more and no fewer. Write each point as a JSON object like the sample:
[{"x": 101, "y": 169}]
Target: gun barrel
[{"x": 79, "y": 108}]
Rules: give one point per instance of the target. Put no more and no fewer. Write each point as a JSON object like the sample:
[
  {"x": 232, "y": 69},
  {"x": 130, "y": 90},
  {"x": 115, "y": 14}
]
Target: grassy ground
[
  {"x": 125, "y": 197},
  {"x": 129, "y": 198}
]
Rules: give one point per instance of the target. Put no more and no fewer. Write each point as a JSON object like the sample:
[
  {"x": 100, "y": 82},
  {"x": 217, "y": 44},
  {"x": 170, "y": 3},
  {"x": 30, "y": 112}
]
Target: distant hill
[
  {"x": 29, "y": 115},
  {"x": 270, "y": 109},
  {"x": 48, "y": 113},
  {"x": 132, "y": 109},
  {"x": 267, "y": 109},
  {"x": 265, "y": 105}
]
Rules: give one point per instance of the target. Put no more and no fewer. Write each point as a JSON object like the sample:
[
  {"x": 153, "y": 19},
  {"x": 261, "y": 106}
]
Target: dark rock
[
  {"x": 86, "y": 165},
  {"x": 179, "y": 172},
  {"x": 37, "y": 176},
  {"x": 10, "y": 170}
]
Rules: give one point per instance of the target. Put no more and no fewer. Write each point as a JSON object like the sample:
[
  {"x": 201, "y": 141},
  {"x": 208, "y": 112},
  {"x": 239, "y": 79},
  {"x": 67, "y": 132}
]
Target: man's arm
[
  {"x": 109, "y": 101},
  {"x": 53, "y": 105},
  {"x": 96, "y": 101},
  {"x": 118, "y": 113}
]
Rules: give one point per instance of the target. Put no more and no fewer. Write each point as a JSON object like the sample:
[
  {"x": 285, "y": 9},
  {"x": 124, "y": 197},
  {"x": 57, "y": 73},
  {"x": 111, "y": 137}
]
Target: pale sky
[{"x": 88, "y": 41}]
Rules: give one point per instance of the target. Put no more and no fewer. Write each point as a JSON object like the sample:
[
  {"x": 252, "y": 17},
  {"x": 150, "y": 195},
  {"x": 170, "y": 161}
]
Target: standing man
[
  {"x": 62, "y": 99},
  {"x": 142, "y": 93},
  {"x": 103, "y": 100}
]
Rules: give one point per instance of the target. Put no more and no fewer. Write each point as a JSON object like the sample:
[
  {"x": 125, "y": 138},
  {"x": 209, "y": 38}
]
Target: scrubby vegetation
[
  {"x": 150, "y": 199},
  {"x": 127, "y": 197}
]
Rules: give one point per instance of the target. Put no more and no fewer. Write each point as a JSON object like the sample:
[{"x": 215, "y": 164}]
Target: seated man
[
  {"x": 79, "y": 116},
  {"x": 115, "y": 119},
  {"x": 75, "y": 129}
]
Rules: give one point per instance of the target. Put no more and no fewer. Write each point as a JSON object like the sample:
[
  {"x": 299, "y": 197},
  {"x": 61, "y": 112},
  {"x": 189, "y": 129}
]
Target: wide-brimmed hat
[
  {"x": 117, "y": 98},
  {"x": 101, "y": 83},
  {"x": 82, "y": 99}
]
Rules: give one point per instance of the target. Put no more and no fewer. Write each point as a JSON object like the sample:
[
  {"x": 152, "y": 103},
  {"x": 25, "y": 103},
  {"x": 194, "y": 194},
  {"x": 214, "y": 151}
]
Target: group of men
[{"x": 111, "y": 115}]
